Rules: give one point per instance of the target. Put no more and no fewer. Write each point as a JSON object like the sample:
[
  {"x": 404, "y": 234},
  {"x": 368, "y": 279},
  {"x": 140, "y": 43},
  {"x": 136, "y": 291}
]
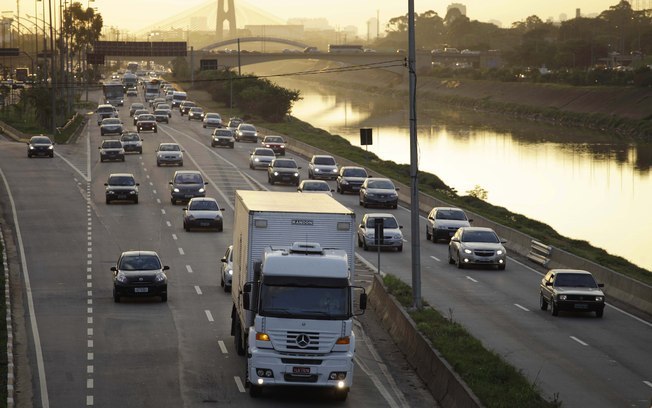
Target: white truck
[{"x": 292, "y": 290}]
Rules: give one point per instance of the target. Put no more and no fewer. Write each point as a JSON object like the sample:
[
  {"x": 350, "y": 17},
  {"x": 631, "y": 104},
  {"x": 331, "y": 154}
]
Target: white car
[
  {"x": 212, "y": 119},
  {"x": 392, "y": 236},
  {"x": 323, "y": 166},
  {"x": 203, "y": 212},
  {"x": 169, "y": 153},
  {"x": 227, "y": 269},
  {"x": 315, "y": 186},
  {"x": 477, "y": 246},
  {"x": 261, "y": 157},
  {"x": 443, "y": 222}
]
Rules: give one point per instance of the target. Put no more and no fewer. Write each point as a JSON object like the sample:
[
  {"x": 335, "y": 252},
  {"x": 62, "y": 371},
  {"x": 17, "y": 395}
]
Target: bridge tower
[{"x": 223, "y": 16}]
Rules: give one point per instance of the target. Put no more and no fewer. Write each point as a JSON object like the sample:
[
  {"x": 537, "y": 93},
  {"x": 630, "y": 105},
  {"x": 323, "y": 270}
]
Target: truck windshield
[{"x": 320, "y": 303}]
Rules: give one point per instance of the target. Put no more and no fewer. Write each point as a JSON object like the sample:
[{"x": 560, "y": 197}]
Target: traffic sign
[{"x": 9, "y": 52}]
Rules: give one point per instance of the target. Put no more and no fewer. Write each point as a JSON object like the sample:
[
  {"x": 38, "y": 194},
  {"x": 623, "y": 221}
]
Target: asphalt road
[{"x": 180, "y": 353}]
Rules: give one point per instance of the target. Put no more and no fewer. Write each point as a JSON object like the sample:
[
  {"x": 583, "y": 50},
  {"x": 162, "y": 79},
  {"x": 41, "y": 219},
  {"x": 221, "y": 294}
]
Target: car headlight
[
  {"x": 256, "y": 159},
  {"x": 132, "y": 192},
  {"x": 121, "y": 277},
  {"x": 599, "y": 298},
  {"x": 500, "y": 252},
  {"x": 398, "y": 236},
  {"x": 31, "y": 147},
  {"x": 50, "y": 147},
  {"x": 467, "y": 251},
  {"x": 296, "y": 174},
  {"x": 276, "y": 173},
  {"x": 230, "y": 271},
  {"x": 201, "y": 190},
  {"x": 334, "y": 171},
  {"x": 160, "y": 277},
  {"x": 110, "y": 191},
  {"x": 562, "y": 297},
  {"x": 317, "y": 170},
  {"x": 176, "y": 190}
]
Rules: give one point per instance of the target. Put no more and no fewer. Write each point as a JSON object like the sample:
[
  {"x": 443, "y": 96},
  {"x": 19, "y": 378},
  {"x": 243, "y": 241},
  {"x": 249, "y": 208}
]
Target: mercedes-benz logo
[
  {"x": 303, "y": 340},
  {"x": 140, "y": 279}
]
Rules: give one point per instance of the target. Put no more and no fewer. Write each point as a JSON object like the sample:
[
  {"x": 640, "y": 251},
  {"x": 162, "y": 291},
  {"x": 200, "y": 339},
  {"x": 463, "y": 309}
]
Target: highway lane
[
  {"x": 577, "y": 358},
  {"x": 138, "y": 352}
]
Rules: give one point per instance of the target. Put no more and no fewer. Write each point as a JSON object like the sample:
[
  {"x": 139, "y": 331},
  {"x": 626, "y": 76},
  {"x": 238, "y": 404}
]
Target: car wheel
[
  {"x": 255, "y": 391},
  {"x": 297, "y": 183},
  {"x": 164, "y": 297},
  {"x": 158, "y": 164},
  {"x": 399, "y": 248},
  {"x": 204, "y": 126},
  {"x": 395, "y": 206},
  {"x": 458, "y": 262},
  {"x": 108, "y": 201},
  {"x": 450, "y": 258},
  {"x": 365, "y": 205},
  {"x": 136, "y": 200},
  {"x": 173, "y": 201},
  {"x": 116, "y": 297},
  {"x": 155, "y": 130},
  {"x": 310, "y": 176},
  {"x": 270, "y": 181},
  {"x": 232, "y": 146},
  {"x": 123, "y": 158},
  {"x": 251, "y": 166},
  {"x": 359, "y": 242},
  {"x": 180, "y": 164},
  {"x": 428, "y": 235},
  {"x": 51, "y": 155},
  {"x": 501, "y": 267},
  {"x": 365, "y": 246},
  {"x": 212, "y": 144},
  {"x": 543, "y": 303},
  {"x": 554, "y": 308},
  {"x": 599, "y": 313}
]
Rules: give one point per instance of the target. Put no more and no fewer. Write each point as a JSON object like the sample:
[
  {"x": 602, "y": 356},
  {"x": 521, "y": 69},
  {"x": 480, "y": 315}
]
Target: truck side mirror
[
  {"x": 258, "y": 264},
  {"x": 363, "y": 301}
]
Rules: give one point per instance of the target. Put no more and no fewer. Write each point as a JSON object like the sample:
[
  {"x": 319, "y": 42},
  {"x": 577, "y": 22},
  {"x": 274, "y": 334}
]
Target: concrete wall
[{"x": 617, "y": 286}]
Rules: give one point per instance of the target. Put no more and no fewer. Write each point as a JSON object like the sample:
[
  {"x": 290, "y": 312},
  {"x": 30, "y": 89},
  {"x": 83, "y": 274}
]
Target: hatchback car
[
  {"x": 571, "y": 290},
  {"x": 261, "y": 157},
  {"x": 121, "y": 187},
  {"x": 442, "y": 223},
  {"x": 322, "y": 166},
  {"x": 392, "y": 236},
  {"x": 132, "y": 142},
  {"x": 134, "y": 107},
  {"x": 276, "y": 143},
  {"x": 196, "y": 113},
  {"x": 222, "y": 137},
  {"x": 203, "y": 212},
  {"x": 111, "y": 150},
  {"x": 315, "y": 186},
  {"x": 186, "y": 184},
  {"x": 40, "y": 146},
  {"x": 111, "y": 126},
  {"x": 212, "y": 119},
  {"x": 283, "y": 171},
  {"x": 477, "y": 246},
  {"x": 246, "y": 132},
  {"x": 226, "y": 271},
  {"x": 380, "y": 192},
  {"x": 350, "y": 178},
  {"x": 146, "y": 122},
  {"x": 169, "y": 153},
  {"x": 139, "y": 273}
]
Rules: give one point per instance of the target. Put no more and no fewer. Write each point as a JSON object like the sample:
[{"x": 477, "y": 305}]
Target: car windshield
[
  {"x": 575, "y": 280},
  {"x": 316, "y": 187},
  {"x": 480, "y": 236},
  {"x": 388, "y": 222},
  {"x": 40, "y": 140},
  {"x": 121, "y": 181},
  {"x": 326, "y": 161},
  {"x": 162, "y": 106},
  {"x": 213, "y": 116},
  {"x": 286, "y": 164},
  {"x": 169, "y": 148},
  {"x": 160, "y": 112},
  {"x": 188, "y": 179},
  {"x": 264, "y": 152},
  {"x": 111, "y": 122},
  {"x": 273, "y": 139},
  {"x": 381, "y": 184},
  {"x": 141, "y": 112},
  {"x": 354, "y": 173},
  {"x": 457, "y": 215},
  {"x": 145, "y": 117},
  {"x": 203, "y": 205},
  {"x": 113, "y": 144},
  {"x": 196, "y": 109},
  {"x": 301, "y": 302},
  {"x": 105, "y": 109},
  {"x": 137, "y": 106},
  {"x": 223, "y": 132},
  {"x": 139, "y": 263}
]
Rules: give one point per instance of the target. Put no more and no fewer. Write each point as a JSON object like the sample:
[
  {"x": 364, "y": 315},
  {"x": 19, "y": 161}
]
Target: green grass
[{"x": 494, "y": 381}]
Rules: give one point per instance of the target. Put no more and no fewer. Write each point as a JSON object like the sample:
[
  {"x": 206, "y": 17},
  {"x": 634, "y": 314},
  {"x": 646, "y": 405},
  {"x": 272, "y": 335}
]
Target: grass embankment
[
  {"x": 3, "y": 333},
  {"x": 495, "y": 382},
  {"x": 430, "y": 184}
]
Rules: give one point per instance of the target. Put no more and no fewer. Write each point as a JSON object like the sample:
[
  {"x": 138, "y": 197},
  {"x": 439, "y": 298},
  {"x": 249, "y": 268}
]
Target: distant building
[
  {"x": 373, "y": 29},
  {"x": 282, "y": 31},
  {"x": 461, "y": 7}
]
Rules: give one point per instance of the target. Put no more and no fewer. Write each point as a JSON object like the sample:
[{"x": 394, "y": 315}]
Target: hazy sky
[{"x": 134, "y": 14}]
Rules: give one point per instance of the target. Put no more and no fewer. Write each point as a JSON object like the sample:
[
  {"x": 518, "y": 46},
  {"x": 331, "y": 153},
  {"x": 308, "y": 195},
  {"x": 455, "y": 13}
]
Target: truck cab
[{"x": 302, "y": 300}]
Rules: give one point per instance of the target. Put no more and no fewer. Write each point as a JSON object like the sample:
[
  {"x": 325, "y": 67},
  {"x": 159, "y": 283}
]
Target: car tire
[
  {"x": 428, "y": 235},
  {"x": 180, "y": 164},
  {"x": 255, "y": 391},
  {"x": 297, "y": 183},
  {"x": 212, "y": 144},
  {"x": 599, "y": 313},
  {"x": 123, "y": 158},
  {"x": 51, "y": 155},
  {"x": 310, "y": 176},
  {"x": 232, "y": 146},
  {"x": 543, "y": 303},
  {"x": 158, "y": 164},
  {"x": 173, "y": 201},
  {"x": 365, "y": 246},
  {"x": 108, "y": 201},
  {"x": 451, "y": 261},
  {"x": 270, "y": 181},
  {"x": 204, "y": 126},
  {"x": 554, "y": 308},
  {"x": 395, "y": 206},
  {"x": 164, "y": 297},
  {"x": 359, "y": 242},
  {"x": 399, "y": 248},
  {"x": 501, "y": 267},
  {"x": 140, "y": 151},
  {"x": 136, "y": 200},
  {"x": 116, "y": 297},
  {"x": 458, "y": 262},
  {"x": 155, "y": 130}
]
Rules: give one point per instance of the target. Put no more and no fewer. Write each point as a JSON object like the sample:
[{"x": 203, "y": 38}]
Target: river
[{"x": 586, "y": 185}]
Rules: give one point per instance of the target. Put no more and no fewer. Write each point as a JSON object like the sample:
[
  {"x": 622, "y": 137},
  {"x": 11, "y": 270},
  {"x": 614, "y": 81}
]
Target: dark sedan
[
  {"x": 283, "y": 171},
  {"x": 121, "y": 187},
  {"x": 111, "y": 126},
  {"x": 351, "y": 178},
  {"x": 196, "y": 113},
  {"x": 146, "y": 122},
  {"x": 379, "y": 192},
  {"x": 139, "y": 273},
  {"x": 40, "y": 146},
  {"x": 571, "y": 290}
]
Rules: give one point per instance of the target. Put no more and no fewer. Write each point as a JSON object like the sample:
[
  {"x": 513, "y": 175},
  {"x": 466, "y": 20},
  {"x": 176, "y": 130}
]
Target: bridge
[{"x": 220, "y": 44}]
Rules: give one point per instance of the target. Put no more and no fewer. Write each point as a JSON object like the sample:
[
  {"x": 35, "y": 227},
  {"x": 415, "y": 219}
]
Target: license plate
[
  {"x": 301, "y": 370},
  {"x": 141, "y": 290},
  {"x": 122, "y": 197},
  {"x": 581, "y": 306},
  {"x": 188, "y": 196},
  {"x": 204, "y": 224}
]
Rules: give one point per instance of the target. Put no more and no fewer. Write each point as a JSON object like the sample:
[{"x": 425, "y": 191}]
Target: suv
[
  {"x": 351, "y": 178},
  {"x": 121, "y": 186},
  {"x": 442, "y": 223},
  {"x": 322, "y": 166},
  {"x": 139, "y": 273},
  {"x": 572, "y": 290},
  {"x": 283, "y": 171},
  {"x": 187, "y": 184}
]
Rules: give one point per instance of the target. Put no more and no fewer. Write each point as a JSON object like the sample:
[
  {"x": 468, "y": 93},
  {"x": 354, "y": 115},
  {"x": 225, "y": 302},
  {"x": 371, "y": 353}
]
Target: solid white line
[
  {"x": 198, "y": 290},
  {"x": 578, "y": 340},
  {"x": 649, "y": 384},
  {"x": 521, "y": 307},
  {"x": 181, "y": 251},
  {"x": 222, "y": 347},
  {"x": 209, "y": 315},
  {"x": 189, "y": 268},
  {"x": 45, "y": 402},
  {"x": 238, "y": 383},
  {"x": 435, "y": 258},
  {"x": 471, "y": 279}
]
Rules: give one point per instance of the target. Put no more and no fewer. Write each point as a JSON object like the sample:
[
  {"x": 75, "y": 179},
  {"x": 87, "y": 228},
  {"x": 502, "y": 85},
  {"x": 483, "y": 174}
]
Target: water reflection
[{"x": 586, "y": 185}]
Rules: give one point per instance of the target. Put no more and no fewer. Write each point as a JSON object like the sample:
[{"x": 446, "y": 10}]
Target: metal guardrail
[{"x": 540, "y": 253}]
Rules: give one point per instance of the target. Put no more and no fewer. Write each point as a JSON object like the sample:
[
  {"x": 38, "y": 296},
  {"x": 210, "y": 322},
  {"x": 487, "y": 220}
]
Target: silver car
[
  {"x": 203, "y": 212},
  {"x": 442, "y": 223},
  {"x": 169, "y": 153},
  {"x": 111, "y": 126},
  {"x": 226, "y": 271},
  {"x": 477, "y": 246},
  {"x": 261, "y": 157},
  {"x": 315, "y": 186},
  {"x": 132, "y": 142},
  {"x": 111, "y": 150},
  {"x": 392, "y": 236},
  {"x": 323, "y": 166},
  {"x": 212, "y": 119},
  {"x": 246, "y": 132}
]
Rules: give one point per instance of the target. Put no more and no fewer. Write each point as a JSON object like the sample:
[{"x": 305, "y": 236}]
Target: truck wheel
[
  {"x": 340, "y": 395},
  {"x": 255, "y": 391},
  {"x": 238, "y": 340}
]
